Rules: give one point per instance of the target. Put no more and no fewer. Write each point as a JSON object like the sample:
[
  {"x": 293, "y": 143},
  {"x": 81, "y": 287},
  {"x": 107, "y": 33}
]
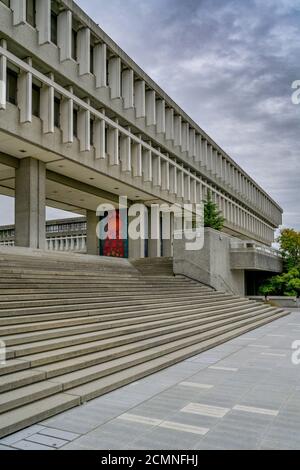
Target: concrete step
[
  {"x": 143, "y": 364},
  {"x": 29, "y": 323},
  {"x": 112, "y": 302},
  {"x": 28, "y": 337},
  {"x": 65, "y": 353}
]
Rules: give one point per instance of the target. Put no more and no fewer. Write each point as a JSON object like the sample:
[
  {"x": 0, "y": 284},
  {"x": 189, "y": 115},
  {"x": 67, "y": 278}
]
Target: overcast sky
[{"x": 230, "y": 65}]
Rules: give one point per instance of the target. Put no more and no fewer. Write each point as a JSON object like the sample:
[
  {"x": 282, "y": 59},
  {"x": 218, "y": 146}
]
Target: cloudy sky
[{"x": 230, "y": 65}]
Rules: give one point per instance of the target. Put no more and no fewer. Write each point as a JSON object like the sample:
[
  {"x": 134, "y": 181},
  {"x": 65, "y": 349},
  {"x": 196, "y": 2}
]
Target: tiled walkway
[{"x": 244, "y": 394}]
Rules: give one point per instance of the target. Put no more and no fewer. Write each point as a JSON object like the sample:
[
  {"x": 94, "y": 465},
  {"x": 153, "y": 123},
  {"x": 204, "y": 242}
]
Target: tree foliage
[
  {"x": 288, "y": 283},
  {"x": 212, "y": 216}
]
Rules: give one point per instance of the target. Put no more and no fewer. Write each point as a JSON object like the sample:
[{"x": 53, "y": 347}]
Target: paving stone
[
  {"x": 47, "y": 440},
  {"x": 67, "y": 436},
  {"x": 27, "y": 445},
  {"x": 19, "y": 436}
]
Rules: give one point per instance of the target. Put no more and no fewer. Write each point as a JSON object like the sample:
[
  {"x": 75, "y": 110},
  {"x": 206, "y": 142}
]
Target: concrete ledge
[
  {"x": 278, "y": 301},
  {"x": 251, "y": 259}
]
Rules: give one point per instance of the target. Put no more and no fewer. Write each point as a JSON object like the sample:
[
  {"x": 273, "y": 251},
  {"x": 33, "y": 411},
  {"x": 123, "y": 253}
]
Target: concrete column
[
  {"x": 178, "y": 131},
  {"x": 19, "y": 11},
  {"x": 43, "y": 21},
  {"x": 100, "y": 67},
  {"x": 66, "y": 122},
  {"x": 92, "y": 241},
  {"x": 3, "y": 85},
  {"x": 25, "y": 95},
  {"x": 84, "y": 130},
  {"x": 168, "y": 234},
  {"x": 99, "y": 138},
  {"x": 170, "y": 124},
  {"x": 150, "y": 108},
  {"x": 30, "y": 204},
  {"x": 180, "y": 183},
  {"x": 156, "y": 169},
  {"x": 128, "y": 88},
  {"x": 113, "y": 146},
  {"x": 161, "y": 116},
  {"x": 165, "y": 175},
  {"x": 198, "y": 145},
  {"x": 185, "y": 137},
  {"x": 136, "y": 248},
  {"x": 64, "y": 35},
  {"x": 192, "y": 143},
  {"x": 154, "y": 241},
  {"x": 47, "y": 108},
  {"x": 114, "y": 77},
  {"x": 173, "y": 179},
  {"x": 125, "y": 153},
  {"x": 83, "y": 51},
  {"x": 136, "y": 157},
  {"x": 147, "y": 165},
  {"x": 140, "y": 98}
]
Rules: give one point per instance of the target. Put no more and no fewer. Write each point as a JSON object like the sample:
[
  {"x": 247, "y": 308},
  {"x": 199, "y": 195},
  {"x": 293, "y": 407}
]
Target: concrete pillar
[
  {"x": 30, "y": 204},
  {"x": 136, "y": 160},
  {"x": 170, "y": 124},
  {"x": 84, "y": 130},
  {"x": 154, "y": 241},
  {"x": 156, "y": 170},
  {"x": 83, "y": 51},
  {"x": 64, "y": 34},
  {"x": 140, "y": 98},
  {"x": 150, "y": 108},
  {"x": 165, "y": 175},
  {"x": 113, "y": 146},
  {"x": 47, "y": 108},
  {"x": 100, "y": 67},
  {"x": 178, "y": 131},
  {"x": 66, "y": 121},
  {"x": 168, "y": 234},
  {"x": 25, "y": 95},
  {"x": 136, "y": 248},
  {"x": 43, "y": 21},
  {"x": 92, "y": 241},
  {"x": 19, "y": 11},
  {"x": 173, "y": 179},
  {"x": 99, "y": 138},
  {"x": 192, "y": 143},
  {"x": 185, "y": 129},
  {"x": 147, "y": 165},
  {"x": 114, "y": 77},
  {"x": 128, "y": 88},
  {"x": 125, "y": 153},
  {"x": 161, "y": 116},
  {"x": 3, "y": 85}
]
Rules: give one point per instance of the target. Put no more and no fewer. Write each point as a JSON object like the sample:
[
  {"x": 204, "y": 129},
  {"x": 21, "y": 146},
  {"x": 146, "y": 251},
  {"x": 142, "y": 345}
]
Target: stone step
[
  {"x": 39, "y": 359},
  {"x": 102, "y": 379},
  {"x": 39, "y": 322},
  {"x": 117, "y": 307},
  {"x": 28, "y": 337},
  {"x": 112, "y": 302},
  {"x": 12, "y": 381}
]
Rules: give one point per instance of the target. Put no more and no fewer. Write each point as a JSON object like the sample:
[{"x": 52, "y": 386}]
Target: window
[
  {"x": 6, "y": 2},
  {"x": 74, "y": 44},
  {"x": 12, "y": 86},
  {"x": 75, "y": 115},
  {"x": 92, "y": 60},
  {"x": 92, "y": 132},
  {"x": 53, "y": 28},
  {"x": 35, "y": 100},
  {"x": 56, "y": 112},
  {"x": 30, "y": 12}
]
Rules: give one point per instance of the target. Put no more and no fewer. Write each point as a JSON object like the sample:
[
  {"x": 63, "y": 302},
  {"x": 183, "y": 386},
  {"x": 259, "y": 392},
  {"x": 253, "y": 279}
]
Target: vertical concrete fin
[
  {"x": 43, "y": 21},
  {"x": 64, "y": 35},
  {"x": 100, "y": 67}
]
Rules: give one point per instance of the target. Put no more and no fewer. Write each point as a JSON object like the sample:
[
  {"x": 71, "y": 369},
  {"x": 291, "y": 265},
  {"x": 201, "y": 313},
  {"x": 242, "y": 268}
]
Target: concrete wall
[
  {"x": 283, "y": 302},
  {"x": 210, "y": 265},
  {"x": 255, "y": 260}
]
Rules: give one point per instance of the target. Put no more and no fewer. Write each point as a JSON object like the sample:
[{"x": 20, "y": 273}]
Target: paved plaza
[{"x": 244, "y": 394}]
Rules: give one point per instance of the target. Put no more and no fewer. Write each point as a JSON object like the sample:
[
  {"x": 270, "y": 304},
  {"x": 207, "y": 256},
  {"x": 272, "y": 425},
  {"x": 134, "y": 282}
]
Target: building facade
[{"x": 81, "y": 124}]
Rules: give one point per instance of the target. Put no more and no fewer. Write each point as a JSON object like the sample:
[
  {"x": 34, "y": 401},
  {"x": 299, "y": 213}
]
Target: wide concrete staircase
[{"x": 77, "y": 327}]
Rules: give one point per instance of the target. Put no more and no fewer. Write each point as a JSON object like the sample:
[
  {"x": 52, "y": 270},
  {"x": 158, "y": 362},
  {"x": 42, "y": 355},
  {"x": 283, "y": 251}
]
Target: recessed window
[
  {"x": 12, "y": 86},
  {"x": 92, "y": 60},
  {"x": 36, "y": 100},
  {"x": 6, "y": 2},
  {"x": 74, "y": 44},
  {"x": 30, "y": 12},
  {"x": 91, "y": 132},
  {"x": 57, "y": 112},
  {"x": 75, "y": 121},
  {"x": 54, "y": 27}
]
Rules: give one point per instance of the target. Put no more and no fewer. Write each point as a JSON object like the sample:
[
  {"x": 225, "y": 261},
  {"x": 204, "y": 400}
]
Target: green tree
[
  {"x": 212, "y": 216},
  {"x": 289, "y": 241},
  {"x": 287, "y": 283}
]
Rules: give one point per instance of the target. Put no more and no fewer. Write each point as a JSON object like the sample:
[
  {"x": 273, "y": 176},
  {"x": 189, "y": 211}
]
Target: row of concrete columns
[
  {"x": 30, "y": 205},
  {"x": 109, "y": 70}
]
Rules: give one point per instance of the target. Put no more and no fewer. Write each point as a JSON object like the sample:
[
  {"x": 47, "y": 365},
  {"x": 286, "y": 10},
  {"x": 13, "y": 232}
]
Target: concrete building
[{"x": 82, "y": 124}]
